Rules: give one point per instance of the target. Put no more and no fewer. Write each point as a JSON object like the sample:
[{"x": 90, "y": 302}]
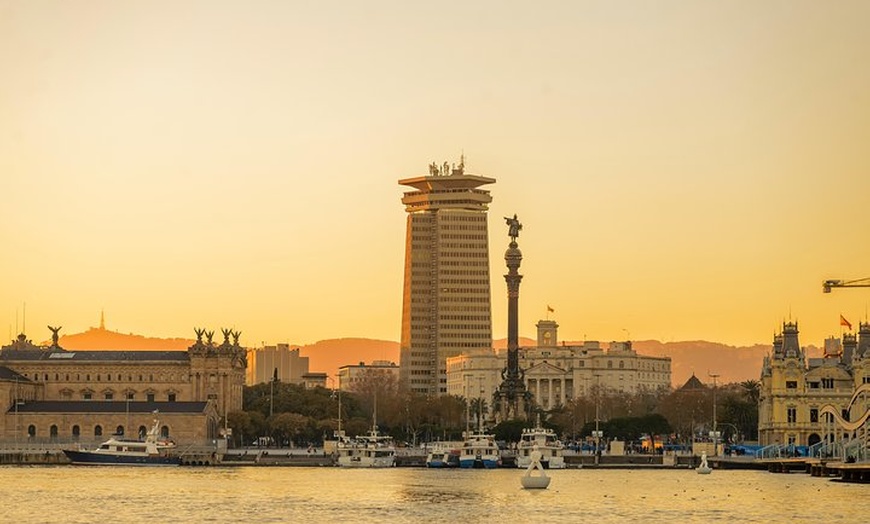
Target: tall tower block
[{"x": 446, "y": 300}]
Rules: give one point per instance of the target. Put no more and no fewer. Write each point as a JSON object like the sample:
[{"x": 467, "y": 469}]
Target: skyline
[{"x": 682, "y": 171}]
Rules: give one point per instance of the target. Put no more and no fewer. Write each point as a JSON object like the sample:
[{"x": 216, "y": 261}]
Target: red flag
[
  {"x": 551, "y": 310},
  {"x": 844, "y": 322}
]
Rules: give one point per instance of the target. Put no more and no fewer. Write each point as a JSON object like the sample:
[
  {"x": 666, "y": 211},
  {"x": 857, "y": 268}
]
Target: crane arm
[{"x": 827, "y": 285}]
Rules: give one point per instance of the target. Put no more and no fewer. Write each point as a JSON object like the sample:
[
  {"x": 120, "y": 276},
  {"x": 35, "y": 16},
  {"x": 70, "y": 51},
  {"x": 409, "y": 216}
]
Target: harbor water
[{"x": 298, "y": 494}]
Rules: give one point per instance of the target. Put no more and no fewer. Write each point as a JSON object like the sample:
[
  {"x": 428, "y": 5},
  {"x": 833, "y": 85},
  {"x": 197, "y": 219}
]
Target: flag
[
  {"x": 550, "y": 310},
  {"x": 844, "y": 322}
]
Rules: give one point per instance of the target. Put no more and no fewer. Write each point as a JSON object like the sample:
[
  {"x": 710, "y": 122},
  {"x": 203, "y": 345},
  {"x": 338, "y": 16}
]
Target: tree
[{"x": 287, "y": 427}]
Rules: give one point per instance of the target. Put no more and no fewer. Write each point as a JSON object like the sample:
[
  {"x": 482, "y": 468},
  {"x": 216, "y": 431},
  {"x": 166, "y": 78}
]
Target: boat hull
[
  {"x": 88, "y": 458},
  {"x": 478, "y": 463},
  {"x": 365, "y": 462}
]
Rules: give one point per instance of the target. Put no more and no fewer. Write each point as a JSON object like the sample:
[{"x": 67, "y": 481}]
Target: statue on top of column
[{"x": 514, "y": 227}]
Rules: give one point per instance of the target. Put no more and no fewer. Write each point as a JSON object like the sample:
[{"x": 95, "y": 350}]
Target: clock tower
[{"x": 547, "y": 330}]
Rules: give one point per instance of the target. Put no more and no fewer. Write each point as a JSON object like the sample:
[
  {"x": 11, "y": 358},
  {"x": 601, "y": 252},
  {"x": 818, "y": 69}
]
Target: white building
[
  {"x": 265, "y": 362},
  {"x": 351, "y": 375},
  {"x": 555, "y": 374}
]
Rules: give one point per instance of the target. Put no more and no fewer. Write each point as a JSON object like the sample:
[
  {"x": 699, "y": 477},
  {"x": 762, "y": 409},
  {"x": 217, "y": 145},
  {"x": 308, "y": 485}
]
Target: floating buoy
[{"x": 538, "y": 481}]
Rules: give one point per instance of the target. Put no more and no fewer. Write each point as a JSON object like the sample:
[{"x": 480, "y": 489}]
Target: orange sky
[{"x": 683, "y": 170}]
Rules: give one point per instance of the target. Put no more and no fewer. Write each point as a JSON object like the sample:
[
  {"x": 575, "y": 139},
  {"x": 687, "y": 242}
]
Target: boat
[
  {"x": 118, "y": 451},
  {"x": 443, "y": 455},
  {"x": 479, "y": 451},
  {"x": 547, "y": 444},
  {"x": 372, "y": 450}
]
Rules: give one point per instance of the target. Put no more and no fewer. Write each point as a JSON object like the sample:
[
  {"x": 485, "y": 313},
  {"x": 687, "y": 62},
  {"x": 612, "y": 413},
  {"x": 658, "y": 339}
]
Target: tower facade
[{"x": 446, "y": 300}]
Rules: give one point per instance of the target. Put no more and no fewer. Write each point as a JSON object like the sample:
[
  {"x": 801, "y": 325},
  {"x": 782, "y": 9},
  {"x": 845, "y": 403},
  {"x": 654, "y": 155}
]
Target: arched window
[
  {"x": 164, "y": 432},
  {"x": 621, "y": 364},
  {"x": 31, "y": 431},
  {"x": 98, "y": 431},
  {"x": 142, "y": 431},
  {"x": 610, "y": 364},
  {"x": 52, "y": 432},
  {"x": 119, "y": 430},
  {"x": 76, "y": 432}
]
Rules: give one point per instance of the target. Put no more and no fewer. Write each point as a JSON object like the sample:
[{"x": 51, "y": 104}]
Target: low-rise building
[
  {"x": 350, "y": 376},
  {"x": 555, "y": 374},
  {"x": 56, "y": 395}
]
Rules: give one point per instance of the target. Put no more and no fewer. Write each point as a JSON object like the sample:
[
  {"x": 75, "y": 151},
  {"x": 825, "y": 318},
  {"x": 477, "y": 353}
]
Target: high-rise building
[
  {"x": 446, "y": 301},
  {"x": 281, "y": 362}
]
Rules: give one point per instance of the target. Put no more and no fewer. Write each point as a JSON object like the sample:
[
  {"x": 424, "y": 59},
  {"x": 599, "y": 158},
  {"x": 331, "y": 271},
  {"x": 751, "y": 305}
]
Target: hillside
[
  {"x": 104, "y": 339},
  {"x": 731, "y": 363}
]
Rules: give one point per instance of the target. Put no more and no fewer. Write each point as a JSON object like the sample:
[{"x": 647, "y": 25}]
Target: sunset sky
[{"x": 683, "y": 169}]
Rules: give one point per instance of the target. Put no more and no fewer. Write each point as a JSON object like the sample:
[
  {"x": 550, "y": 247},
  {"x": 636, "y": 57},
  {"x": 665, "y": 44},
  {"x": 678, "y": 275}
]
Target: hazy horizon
[{"x": 683, "y": 170}]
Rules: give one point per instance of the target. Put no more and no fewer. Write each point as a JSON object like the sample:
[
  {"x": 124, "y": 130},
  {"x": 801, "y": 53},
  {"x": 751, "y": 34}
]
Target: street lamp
[
  {"x": 714, "y": 376},
  {"x": 597, "y": 434}
]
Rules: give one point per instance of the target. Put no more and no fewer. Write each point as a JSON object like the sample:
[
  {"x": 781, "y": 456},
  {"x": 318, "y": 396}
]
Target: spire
[{"x": 102, "y": 320}]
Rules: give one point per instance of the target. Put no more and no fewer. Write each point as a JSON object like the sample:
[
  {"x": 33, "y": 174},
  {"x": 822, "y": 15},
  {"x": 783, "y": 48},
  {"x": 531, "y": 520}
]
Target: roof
[
  {"x": 9, "y": 374},
  {"x": 107, "y": 406},
  {"x": 94, "y": 356},
  {"x": 693, "y": 384}
]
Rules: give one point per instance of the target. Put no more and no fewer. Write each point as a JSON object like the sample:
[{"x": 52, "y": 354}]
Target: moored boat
[
  {"x": 366, "y": 451},
  {"x": 443, "y": 455},
  {"x": 546, "y": 442},
  {"x": 118, "y": 451},
  {"x": 479, "y": 451}
]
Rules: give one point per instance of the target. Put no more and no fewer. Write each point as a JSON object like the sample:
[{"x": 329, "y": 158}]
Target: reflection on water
[{"x": 70, "y": 494}]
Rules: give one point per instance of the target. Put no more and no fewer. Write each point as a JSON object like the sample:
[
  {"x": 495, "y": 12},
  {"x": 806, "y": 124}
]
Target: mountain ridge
[{"x": 696, "y": 357}]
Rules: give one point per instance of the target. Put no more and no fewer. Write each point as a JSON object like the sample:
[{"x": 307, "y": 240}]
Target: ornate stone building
[
  {"x": 555, "y": 374},
  {"x": 53, "y": 394},
  {"x": 794, "y": 388}
]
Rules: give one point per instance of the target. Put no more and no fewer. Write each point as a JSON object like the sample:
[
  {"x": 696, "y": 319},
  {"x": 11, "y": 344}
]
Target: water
[{"x": 293, "y": 494}]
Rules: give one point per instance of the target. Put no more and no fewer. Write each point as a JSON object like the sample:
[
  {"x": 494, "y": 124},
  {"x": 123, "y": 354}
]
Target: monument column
[{"x": 511, "y": 397}]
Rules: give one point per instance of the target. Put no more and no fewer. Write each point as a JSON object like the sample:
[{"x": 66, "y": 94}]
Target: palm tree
[{"x": 752, "y": 390}]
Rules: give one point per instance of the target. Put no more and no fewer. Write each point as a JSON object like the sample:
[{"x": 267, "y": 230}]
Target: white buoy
[
  {"x": 539, "y": 481},
  {"x": 704, "y": 469}
]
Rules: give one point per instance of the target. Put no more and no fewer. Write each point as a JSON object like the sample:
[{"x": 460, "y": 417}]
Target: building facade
[
  {"x": 350, "y": 376},
  {"x": 794, "y": 388},
  {"x": 555, "y": 374},
  {"x": 267, "y": 362},
  {"x": 57, "y": 395},
  {"x": 446, "y": 299}
]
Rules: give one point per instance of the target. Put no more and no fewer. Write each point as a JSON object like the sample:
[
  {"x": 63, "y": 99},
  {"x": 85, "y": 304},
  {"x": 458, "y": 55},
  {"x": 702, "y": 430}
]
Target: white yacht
[
  {"x": 547, "y": 443},
  {"x": 151, "y": 451},
  {"x": 366, "y": 451},
  {"x": 479, "y": 451}
]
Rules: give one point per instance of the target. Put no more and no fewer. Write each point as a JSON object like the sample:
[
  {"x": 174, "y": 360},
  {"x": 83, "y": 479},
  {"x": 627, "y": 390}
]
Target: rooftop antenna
[
  {"x": 24, "y": 318},
  {"x": 102, "y": 320}
]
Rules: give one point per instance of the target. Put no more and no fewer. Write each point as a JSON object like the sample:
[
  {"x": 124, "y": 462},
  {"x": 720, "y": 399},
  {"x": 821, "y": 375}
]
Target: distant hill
[
  {"x": 329, "y": 355},
  {"x": 104, "y": 339},
  {"x": 731, "y": 363}
]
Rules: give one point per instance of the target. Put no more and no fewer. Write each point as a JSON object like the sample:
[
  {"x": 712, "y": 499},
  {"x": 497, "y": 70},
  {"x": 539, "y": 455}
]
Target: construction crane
[{"x": 828, "y": 284}]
